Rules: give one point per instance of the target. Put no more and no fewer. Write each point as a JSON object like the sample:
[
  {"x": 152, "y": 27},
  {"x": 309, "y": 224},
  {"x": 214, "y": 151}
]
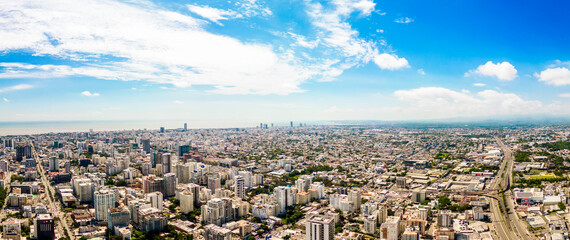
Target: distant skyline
[{"x": 251, "y": 61}]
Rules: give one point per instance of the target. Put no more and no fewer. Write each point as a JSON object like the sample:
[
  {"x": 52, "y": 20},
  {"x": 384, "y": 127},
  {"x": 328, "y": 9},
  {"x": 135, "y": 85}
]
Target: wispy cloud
[
  {"x": 178, "y": 102},
  {"x": 16, "y": 88},
  {"x": 479, "y": 84},
  {"x": 5, "y": 100},
  {"x": 89, "y": 94},
  {"x": 212, "y": 14},
  {"x": 404, "y": 20}
]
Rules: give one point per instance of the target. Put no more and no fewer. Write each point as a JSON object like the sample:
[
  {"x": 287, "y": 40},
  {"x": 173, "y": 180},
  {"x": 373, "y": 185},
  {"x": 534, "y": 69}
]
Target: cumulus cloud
[
  {"x": 404, "y": 20},
  {"x": 390, "y": 61},
  {"x": 89, "y": 94},
  {"x": 16, "y": 88},
  {"x": 421, "y": 71},
  {"x": 564, "y": 95},
  {"x": 479, "y": 84},
  {"x": 559, "y": 76},
  {"x": 503, "y": 71},
  {"x": 437, "y": 102}
]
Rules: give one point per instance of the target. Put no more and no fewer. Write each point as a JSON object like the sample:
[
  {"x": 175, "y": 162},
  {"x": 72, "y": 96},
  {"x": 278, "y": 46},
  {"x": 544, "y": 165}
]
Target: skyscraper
[
  {"x": 284, "y": 197},
  {"x": 320, "y": 227},
  {"x": 23, "y": 152},
  {"x": 240, "y": 186},
  {"x": 155, "y": 199},
  {"x": 104, "y": 199},
  {"x": 170, "y": 181},
  {"x": 185, "y": 127},
  {"x": 167, "y": 163},
  {"x": 146, "y": 145},
  {"x": 45, "y": 227}
]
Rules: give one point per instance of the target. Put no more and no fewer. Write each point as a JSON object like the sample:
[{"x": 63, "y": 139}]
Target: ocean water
[{"x": 24, "y": 128}]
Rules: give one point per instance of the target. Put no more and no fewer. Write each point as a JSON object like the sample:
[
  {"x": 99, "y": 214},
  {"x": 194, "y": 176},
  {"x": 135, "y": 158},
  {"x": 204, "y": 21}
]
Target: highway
[
  {"x": 502, "y": 226},
  {"x": 519, "y": 227},
  {"x": 55, "y": 208}
]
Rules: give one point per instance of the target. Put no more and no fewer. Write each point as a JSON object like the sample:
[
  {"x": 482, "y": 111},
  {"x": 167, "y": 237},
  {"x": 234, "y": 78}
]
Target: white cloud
[
  {"x": 334, "y": 32},
  {"x": 16, "y": 88},
  {"x": 503, "y": 71},
  {"x": 437, "y": 102},
  {"x": 559, "y": 76},
  {"x": 479, "y": 84},
  {"x": 421, "y": 71},
  {"x": 178, "y": 102},
  {"x": 149, "y": 44},
  {"x": 212, "y": 14},
  {"x": 5, "y": 100},
  {"x": 564, "y": 95},
  {"x": 390, "y": 61},
  {"x": 89, "y": 94},
  {"x": 404, "y": 20}
]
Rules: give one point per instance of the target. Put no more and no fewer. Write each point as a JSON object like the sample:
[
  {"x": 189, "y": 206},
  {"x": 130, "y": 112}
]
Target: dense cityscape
[{"x": 294, "y": 182}]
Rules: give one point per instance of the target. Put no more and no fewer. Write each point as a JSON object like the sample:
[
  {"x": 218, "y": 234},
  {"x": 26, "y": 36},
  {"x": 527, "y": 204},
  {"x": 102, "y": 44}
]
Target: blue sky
[{"x": 275, "y": 61}]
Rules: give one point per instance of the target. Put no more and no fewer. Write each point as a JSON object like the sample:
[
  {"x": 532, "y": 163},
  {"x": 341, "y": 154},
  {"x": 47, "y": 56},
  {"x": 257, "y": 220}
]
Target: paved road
[
  {"x": 56, "y": 208},
  {"x": 502, "y": 229},
  {"x": 519, "y": 227}
]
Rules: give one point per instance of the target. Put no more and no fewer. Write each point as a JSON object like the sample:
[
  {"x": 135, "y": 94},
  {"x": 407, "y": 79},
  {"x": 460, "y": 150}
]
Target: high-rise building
[
  {"x": 23, "y": 152},
  {"x": 118, "y": 217},
  {"x": 146, "y": 167},
  {"x": 370, "y": 224},
  {"x": 183, "y": 173},
  {"x": 390, "y": 230},
  {"x": 167, "y": 163},
  {"x": 213, "y": 232},
  {"x": 4, "y": 165},
  {"x": 195, "y": 189},
  {"x": 155, "y": 199},
  {"x": 444, "y": 219},
  {"x": 12, "y": 229},
  {"x": 152, "y": 183},
  {"x": 170, "y": 181},
  {"x": 240, "y": 187},
  {"x": 382, "y": 214},
  {"x": 418, "y": 196},
  {"x": 303, "y": 183},
  {"x": 320, "y": 227},
  {"x": 356, "y": 197},
  {"x": 162, "y": 129},
  {"x": 214, "y": 183},
  {"x": 53, "y": 164},
  {"x": 285, "y": 197},
  {"x": 45, "y": 227},
  {"x": 186, "y": 201},
  {"x": 401, "y": 182},
  {"x": 104, "y": 199},
  {"x": 185, "y": 127},
  {"x": 218, "y": 211},
  {"x": 146, "y": 145},
  {"x": 183, "y": 149}
]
